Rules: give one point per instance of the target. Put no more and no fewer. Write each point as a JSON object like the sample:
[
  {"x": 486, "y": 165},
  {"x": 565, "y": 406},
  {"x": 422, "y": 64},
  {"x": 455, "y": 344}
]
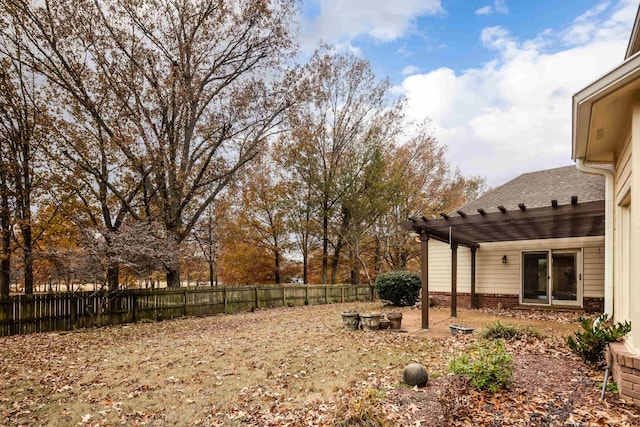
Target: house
[
  {"x": 606, "y": 131},
  {"x": 537, "y": 240}
]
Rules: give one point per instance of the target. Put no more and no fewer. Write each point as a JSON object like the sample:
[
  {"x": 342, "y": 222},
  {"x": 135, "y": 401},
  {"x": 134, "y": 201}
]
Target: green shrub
[
  {"x": 399, "y": 287},
  {"x": 591, "y": 343},
  {"x": 498, "y": 330},
  {"x": 487, "y": 365}
]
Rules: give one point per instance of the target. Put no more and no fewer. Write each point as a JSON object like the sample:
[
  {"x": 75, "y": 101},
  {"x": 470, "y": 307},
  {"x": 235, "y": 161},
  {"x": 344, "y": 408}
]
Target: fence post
[
  {"x": 134, "y": 306},
  {"x": 184, "y": 293},
  {"x": 326, "y": 292},
  {"x": 342, "y": 293},
  {"x": 224, "y": 297},
  {"x": 74, "y": 312},
  {"x": 256, "y": 297},
  {"x": 284, "y": 296}
]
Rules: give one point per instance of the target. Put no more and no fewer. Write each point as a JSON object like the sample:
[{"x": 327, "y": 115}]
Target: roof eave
[
  {"x": 634, "y": 40},
  {"x": 583, "y": 101}
]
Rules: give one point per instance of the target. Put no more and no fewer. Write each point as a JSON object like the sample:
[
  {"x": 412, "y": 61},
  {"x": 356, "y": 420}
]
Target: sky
[{"x": 495, "y": 77}]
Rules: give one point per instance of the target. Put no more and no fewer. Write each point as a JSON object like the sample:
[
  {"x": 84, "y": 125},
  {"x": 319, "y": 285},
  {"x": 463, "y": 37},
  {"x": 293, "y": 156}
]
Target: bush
[
  {"x": 361, "y": 410},
  {"x": 498, "y": 330},
  {"x": 399, "y": 287},
  {"x": 487, "y": 366},
  {"x": 591, "y": 343},
  {"x": 454, "y": 397}
]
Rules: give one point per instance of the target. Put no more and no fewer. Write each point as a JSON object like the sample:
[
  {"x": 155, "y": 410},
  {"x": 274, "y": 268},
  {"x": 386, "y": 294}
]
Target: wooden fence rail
[{"x": 25, "y": 314}]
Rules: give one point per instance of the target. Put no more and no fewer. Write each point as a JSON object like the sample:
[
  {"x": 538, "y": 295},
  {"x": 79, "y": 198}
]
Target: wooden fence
[{"x": 25, "y": 314}]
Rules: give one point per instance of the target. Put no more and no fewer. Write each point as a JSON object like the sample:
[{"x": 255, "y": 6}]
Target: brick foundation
[
  {"x": 626, "y": 371},
  {"x": 593, "y": 305},
  {"x": 443, "y": 299}
]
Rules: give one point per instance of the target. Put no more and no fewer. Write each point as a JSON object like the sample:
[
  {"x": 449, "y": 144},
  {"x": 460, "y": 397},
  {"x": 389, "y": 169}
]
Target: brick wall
[
  {"x": 625, "y": 371},
  {"x": 593, "y": 305},
  {"x": 443, "y": 299}
]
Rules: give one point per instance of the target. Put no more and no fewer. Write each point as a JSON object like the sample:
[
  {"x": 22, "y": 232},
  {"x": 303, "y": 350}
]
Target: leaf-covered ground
[{"x": 291, "y": 367}]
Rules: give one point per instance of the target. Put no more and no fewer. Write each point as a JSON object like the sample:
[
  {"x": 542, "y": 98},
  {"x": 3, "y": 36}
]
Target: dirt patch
[{"x": 289, "y": 366}]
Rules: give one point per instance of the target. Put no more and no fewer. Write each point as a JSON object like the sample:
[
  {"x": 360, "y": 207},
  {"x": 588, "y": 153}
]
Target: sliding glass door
[
  {"x": 535, "y": 277},
  {"x": 551, "y": 277},
  {"x": 564, "y": 278}
]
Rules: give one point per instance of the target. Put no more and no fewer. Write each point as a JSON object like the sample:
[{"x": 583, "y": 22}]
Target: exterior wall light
[{"x": 504, "y": 259}]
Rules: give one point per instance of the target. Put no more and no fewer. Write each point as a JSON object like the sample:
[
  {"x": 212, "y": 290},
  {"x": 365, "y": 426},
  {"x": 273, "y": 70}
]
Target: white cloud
[
  {"x": 410, "y": 69},
  {"x": 513, "y": 114},
  {"x": 344, "y": 20},
  {"x": 499, "y": 6}
]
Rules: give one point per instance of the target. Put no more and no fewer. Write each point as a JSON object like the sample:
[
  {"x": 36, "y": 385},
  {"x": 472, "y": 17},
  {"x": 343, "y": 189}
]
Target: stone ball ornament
[{"x": 415, "y": 375}]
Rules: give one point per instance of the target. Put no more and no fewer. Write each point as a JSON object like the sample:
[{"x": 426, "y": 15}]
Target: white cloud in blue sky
[
  {"x": 341, "y": 21},
  {"x": 498, "y": 6},
  {"x": 498, "y": 87},
  {"x": 410, "y": 69}
]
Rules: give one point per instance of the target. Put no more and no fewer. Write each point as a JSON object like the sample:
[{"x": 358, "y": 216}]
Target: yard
[{"x": 291, "y": 366}]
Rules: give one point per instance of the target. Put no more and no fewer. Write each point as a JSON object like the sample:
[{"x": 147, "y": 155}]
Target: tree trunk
[
  {"x": 113, "y": 274},
  {"x": 336, "y": 261},
  {"x": 5, "y": 277},
  {"x": 277, "y": 270},
  {"x": 377, "y": 258},
  {"x": 27, "y": 248},
  {"x": 5, "y": 264},
  {"x": 305, "y": 267},
  {"x": 173, "y": 278},
  {"x": 325, "y": 245},
  {"x": 211, "y": 278},
  {"x": 355, "y": 275},
  {"x": 346, "y": 219}
]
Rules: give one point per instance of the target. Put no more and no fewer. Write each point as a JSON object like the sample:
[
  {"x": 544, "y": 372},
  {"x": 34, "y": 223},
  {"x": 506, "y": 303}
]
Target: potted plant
[{"x": 396, "y": 319}]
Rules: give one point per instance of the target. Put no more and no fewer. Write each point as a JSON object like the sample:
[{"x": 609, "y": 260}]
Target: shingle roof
[{"x": 537, "y": 189}]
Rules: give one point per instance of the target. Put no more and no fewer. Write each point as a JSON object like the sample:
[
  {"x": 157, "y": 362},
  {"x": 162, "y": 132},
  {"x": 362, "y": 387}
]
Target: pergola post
[
  {"x": 454, "y": 278},
  {"x": 473, "y": 277},
  {"x": 424, "y": 277}
]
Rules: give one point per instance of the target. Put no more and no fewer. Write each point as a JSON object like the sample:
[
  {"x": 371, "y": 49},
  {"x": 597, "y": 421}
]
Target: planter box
[{"x": 457, "y": 329}]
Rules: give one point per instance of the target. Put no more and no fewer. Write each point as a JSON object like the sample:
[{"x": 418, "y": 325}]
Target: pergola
[{"x": 472, "y": 229}]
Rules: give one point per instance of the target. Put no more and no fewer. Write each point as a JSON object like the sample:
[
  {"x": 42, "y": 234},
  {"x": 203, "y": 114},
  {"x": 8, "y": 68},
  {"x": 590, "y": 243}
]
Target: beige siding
[
  {"x": 622, "y": 295},
  {"x": 494, "y": 277},
  {"x": 440, "y": 267},
  {"x": 593, "y": 271},
  {"x": 623, "y": 171}
]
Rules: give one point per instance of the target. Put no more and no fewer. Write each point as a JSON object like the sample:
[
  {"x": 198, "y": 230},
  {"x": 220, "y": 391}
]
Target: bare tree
[
  {"x": 188, "y": 102},
  {"x": 5, "y": 229},
  {"x": 23, "y": 129},
  {"x": 333, "y": 138},
  {"x": 262, "y": 212}
]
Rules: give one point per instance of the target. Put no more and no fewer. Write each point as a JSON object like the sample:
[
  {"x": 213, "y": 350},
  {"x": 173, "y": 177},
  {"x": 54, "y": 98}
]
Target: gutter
[{"x": 608, "y": 234}]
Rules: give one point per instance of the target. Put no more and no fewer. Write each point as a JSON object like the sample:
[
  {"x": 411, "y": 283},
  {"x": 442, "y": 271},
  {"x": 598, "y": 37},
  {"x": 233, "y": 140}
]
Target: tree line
[{"x": 147, "y": 137}]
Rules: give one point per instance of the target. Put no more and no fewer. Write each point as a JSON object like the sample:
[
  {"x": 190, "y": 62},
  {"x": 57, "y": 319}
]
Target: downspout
[{"x": 608, "y": 233}]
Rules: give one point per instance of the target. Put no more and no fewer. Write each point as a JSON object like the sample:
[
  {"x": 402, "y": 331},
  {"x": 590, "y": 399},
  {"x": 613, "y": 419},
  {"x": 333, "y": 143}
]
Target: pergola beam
[
  {"x": 454, "y": 279},
  {"x": 424, "y": 278},
  {"x": 473, "y": 278}
]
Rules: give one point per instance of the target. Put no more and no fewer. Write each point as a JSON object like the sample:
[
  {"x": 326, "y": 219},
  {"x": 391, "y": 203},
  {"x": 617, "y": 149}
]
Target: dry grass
[{"x": 222, "y": 370}]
